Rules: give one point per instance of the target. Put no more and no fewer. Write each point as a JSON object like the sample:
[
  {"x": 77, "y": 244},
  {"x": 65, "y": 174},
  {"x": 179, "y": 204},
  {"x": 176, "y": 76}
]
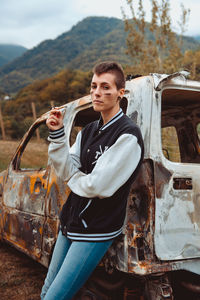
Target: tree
[
  {"x": 154, "y": 47},
  {"x": 64, "y": 87},
  {"x": 191, "y": 61}
]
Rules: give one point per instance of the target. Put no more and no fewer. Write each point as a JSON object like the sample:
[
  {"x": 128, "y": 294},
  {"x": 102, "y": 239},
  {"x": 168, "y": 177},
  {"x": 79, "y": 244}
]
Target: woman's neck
[{"x": 108, "y": 115}]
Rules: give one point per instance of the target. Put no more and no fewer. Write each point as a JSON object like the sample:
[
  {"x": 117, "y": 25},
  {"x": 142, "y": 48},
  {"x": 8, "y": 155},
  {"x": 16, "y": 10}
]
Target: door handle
[{"x": 182, "y": 183}]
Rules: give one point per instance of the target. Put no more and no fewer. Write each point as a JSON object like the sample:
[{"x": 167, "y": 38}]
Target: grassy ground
[{"x": 34, "y": 156}]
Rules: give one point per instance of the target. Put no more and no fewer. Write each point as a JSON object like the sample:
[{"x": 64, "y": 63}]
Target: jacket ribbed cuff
[{"x": 55, "y": 134}]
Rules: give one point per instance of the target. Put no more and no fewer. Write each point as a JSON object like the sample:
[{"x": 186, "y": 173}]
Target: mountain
[
  {"x": 51, "y": 56},
  {"x": 197, "y": 37},
  {"x": 10, "y": 52},
  {"x": 91, "y": 40}
]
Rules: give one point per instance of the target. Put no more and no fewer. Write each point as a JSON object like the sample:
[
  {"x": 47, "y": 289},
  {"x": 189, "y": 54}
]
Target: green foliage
[
  {"x": 92, "y": 40},
  {"x": 191, "y": 62},
  {"x": 66, "y": 86},
  {"x": 163, "y": 52},
  {"x": 52, "y": 56}
]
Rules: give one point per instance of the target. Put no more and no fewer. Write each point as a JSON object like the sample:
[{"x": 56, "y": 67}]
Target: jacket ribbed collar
[{"x": 116, "y": 117}]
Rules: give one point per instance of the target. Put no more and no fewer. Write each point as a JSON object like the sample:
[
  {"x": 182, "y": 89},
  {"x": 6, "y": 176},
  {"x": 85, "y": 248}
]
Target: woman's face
[{"x": 104, "y": 92}]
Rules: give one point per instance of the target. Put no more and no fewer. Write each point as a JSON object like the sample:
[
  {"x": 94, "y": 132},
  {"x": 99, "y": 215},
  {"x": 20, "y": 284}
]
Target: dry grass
[
  {"x": 34, "y": 156},
  {"x": 170, "y": 144}
]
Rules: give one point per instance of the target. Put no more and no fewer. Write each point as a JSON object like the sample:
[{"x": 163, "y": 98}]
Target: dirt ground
[{"x": 21, "y": 278}]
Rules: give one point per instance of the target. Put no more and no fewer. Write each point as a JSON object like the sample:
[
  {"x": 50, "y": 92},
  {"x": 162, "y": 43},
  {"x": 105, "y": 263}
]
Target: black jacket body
[{"x": 99, "y": 219}]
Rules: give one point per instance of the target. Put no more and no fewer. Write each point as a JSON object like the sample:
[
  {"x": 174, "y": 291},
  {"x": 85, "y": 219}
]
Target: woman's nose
[{"x": 97, "y": 91}]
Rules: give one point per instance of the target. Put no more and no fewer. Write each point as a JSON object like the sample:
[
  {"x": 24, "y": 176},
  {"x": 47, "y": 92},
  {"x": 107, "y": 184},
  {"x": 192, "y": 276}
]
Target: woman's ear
[{"x": 121, "y": 93}]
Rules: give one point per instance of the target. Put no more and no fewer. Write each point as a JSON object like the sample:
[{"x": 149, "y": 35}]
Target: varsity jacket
[{"x": 100, "y": 168}]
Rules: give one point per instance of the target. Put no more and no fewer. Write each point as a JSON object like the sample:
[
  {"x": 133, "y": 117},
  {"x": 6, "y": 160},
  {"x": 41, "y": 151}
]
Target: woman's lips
[{"x": 97, "y": 102}]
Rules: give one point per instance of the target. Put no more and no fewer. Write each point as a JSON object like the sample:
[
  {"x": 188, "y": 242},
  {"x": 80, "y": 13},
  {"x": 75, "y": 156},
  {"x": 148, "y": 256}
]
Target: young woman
[{"x": 99, "y": 168}]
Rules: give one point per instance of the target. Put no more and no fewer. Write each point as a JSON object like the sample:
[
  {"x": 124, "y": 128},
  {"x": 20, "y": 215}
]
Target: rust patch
[
  {"x": 162, "y": 177},
  {"x": 85, "y": 100},
  {"x": 150, "y": 267},
  {"x": 24, "y": 231},
  {"x": 137, "y": 245}
]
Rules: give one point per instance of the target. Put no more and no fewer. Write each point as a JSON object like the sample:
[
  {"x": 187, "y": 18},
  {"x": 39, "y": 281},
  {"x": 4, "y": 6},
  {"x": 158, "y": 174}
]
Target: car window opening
[
  {"x": 180, "y": 119},
  {"x": 85, "y": 116},
  {"x": 35, "y": 154}
]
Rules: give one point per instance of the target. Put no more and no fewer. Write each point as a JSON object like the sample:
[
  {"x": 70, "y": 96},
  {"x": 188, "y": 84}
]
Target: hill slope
[
  {"x": 51, "y": 56},
  {"x": 91, "y": 40},
  {"x": 197, "y": 37},
  {"x": 10, "y": 52}
]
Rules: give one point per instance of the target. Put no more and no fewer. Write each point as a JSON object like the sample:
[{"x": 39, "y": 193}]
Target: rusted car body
[{"x": 162, "y": 228}]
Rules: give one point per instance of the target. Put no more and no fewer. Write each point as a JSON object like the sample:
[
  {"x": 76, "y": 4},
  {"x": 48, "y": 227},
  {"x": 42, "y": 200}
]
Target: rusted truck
[{"x": 158, "y": 254}]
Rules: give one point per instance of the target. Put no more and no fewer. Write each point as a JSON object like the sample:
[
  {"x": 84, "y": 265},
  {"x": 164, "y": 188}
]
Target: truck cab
[{"x": 161, "y": 235}]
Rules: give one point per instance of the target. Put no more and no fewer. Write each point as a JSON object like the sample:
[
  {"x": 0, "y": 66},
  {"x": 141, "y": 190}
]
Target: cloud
[
  {"x": 29, "y": 22},
  {"x": 24, "y": 12},
  {"x": 100, "y": 8}
]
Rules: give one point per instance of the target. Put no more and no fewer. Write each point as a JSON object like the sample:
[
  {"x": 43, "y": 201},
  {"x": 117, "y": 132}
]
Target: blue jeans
[{"x": 71, "y": 265}]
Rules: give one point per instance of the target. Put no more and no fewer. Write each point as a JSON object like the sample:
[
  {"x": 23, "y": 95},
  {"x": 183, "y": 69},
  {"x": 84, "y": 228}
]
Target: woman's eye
[
  {"x": 93, "y": 87},
  {"x": 106, "y": 87}
]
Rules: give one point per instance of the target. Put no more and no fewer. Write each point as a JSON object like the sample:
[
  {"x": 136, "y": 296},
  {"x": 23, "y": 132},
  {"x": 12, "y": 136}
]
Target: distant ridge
[
  {"x": 9, "y": 52},
  {"x": 197, "y": 37},
  {"x": 89, "y": 41}
]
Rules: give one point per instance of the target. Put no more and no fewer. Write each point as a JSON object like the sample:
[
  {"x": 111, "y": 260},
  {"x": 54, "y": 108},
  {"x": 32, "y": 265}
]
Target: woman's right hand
[{"x": 55, "y": 119}]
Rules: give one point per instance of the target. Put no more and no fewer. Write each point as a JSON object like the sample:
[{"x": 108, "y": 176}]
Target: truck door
[
  {"x": 177, "y": 174},
  {"x": 24, "y": 195}
]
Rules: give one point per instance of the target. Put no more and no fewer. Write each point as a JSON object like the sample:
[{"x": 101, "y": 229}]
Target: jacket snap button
[{"x": 88, "y": 150}]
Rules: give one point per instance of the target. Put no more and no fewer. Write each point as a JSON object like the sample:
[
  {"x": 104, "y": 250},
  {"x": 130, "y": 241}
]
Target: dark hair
[{"x": 112, "y": 68}]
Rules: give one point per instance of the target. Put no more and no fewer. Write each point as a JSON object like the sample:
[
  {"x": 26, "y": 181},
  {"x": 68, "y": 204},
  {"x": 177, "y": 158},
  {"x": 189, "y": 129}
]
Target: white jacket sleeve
[
  {"x": 65, "y": 160},
  {"x": 111, "y": 171}
]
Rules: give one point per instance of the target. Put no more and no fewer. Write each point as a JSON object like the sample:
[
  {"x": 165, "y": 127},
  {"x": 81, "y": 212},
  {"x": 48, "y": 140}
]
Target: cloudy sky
[{"x": 29, "y": 22}]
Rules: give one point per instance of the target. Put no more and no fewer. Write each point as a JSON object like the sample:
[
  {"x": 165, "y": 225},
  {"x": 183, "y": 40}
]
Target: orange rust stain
[
  {"x": 151, "y": 267},
  {"x": 33, "y": 179},
  {"x": 40, "y": 230},
  {"x": 37, "y": 190},
  {"x": 67, "y": 191},
  {"x": 84, "y": 100},
  {"x": 133, "y": 244},
  {"x": 144, "y": 265},
  {"x": 130, "y": 226},
  {"x": 19, "y": 243},
  {"x": 1, "y": 179},
  {"x": 44, "y": 184},
  {"x": 32, "y": 183}
]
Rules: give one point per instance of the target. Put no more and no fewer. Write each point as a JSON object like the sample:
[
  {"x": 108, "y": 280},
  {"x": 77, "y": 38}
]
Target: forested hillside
[
  {"x": 91, "y": 40},
  {"x": 52, "y": 56},
  {"x": 66, "y": 86},
  {"x": 10, "y": 52},
  {"x": 197, "y": 37},
  {"x": 60, "y": 70}
]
